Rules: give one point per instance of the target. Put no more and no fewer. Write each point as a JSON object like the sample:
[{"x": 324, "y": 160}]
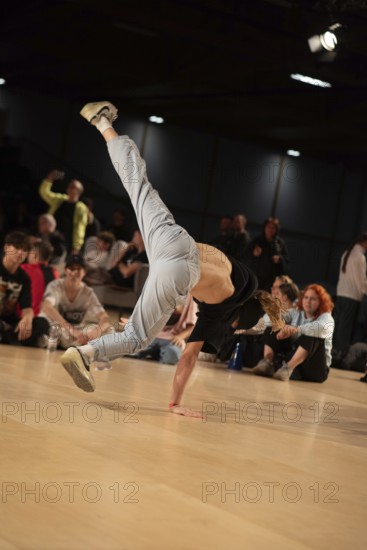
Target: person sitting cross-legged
[
  {"x": 18, "y": 325},
  {"x": 306, "y": 339},
  {"x": 74, "y": 307}
]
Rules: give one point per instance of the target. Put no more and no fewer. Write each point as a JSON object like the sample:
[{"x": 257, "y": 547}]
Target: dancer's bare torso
[{"x": 215, "y": 284}]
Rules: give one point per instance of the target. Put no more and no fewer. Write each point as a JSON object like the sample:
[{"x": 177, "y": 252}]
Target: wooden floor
[{"x": 272, "y": 465}]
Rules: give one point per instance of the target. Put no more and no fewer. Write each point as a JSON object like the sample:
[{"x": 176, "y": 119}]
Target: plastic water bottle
[
  {"x": 53, "y": 338},
  {"x": 235, "y": 362}
]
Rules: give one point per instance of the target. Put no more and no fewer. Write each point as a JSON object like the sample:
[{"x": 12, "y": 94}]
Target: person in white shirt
[
  {"x": 73, "y": 307},
  {"x": 351, "y": 288}
]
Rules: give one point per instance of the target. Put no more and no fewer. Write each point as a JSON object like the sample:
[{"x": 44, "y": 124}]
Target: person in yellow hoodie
[{"x": 71, "y": 214}]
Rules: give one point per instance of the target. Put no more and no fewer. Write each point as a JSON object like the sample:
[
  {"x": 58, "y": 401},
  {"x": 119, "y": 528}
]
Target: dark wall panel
[
  {"x": 178, "y": 162},
  {"x": 244, "y": 181},
  {"x": 308, "y": 196},
  {"x": 350, "y": 213},
  {"x": 309, "y": 259}
]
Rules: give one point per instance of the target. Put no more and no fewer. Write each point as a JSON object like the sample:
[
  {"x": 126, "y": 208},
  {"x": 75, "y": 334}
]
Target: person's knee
[{"x": 170, "y": 354}]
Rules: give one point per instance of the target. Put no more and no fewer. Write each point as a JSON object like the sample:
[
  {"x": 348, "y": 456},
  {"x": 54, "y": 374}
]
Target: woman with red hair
[{"x": 309, "y": 328}]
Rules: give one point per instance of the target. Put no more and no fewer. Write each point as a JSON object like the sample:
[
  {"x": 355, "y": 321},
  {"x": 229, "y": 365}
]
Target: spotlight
[
  {"x": 2, "y": 81},
  {"x": 325, "y": 41},
  {"x": 293, "y": 153},
  {"x": 310, "y": 80},
  {"x": 156, "y": 119}
]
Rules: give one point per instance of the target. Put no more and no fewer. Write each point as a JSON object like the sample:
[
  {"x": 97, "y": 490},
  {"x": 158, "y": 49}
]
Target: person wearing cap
[
  {"x": 178, "y": 265},
  {"x": 74, "y": 307}
]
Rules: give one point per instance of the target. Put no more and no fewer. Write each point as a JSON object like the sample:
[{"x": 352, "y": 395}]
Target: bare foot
[{"x": 184, "y": 411}]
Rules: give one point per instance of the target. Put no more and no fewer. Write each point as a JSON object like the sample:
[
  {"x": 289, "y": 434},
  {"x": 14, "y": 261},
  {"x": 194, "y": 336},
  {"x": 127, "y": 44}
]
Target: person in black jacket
[{"x": 267, "y": 254}]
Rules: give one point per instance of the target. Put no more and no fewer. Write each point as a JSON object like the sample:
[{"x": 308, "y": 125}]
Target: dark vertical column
[{"x": 277, "y": 187}]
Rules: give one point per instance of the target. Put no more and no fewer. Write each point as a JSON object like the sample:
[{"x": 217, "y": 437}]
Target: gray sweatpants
[{"x": 174, "y": 267}]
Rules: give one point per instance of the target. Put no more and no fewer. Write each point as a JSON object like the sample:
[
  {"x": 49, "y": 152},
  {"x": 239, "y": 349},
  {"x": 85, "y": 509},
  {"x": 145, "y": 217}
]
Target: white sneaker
[
  {"x": 284, "y": 373},
  {"x": 77, "y": 366},
  {"x": 93, "y": 112},
  {"x": 264, "y": 368}
]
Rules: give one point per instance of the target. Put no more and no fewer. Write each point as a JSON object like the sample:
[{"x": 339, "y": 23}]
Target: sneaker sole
[
  {"x": 93, "y": 110},
  {"x": 72, "y": 367},
  {"x": 281, "y": 378},
  {"x": 262, "y": 373}
]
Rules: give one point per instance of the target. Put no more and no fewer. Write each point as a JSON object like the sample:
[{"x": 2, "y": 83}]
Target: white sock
[
  {"x": 103, "y": 124},
  {"x": 88, "y": 351}
]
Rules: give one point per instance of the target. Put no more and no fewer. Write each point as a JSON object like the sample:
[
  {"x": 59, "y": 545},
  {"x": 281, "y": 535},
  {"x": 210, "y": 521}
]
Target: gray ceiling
[{"x": 216, "y": 65}]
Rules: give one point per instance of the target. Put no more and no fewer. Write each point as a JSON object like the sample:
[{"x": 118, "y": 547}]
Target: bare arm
[
  {"x": 51, "y": 312},
  {"x": 93, "y": 331},
  {"x": 45, "y": 187},
  {"x": 180, "y": 338},
  {"x": 184, "y": 369},
  {"x": 24, "y": 327}
]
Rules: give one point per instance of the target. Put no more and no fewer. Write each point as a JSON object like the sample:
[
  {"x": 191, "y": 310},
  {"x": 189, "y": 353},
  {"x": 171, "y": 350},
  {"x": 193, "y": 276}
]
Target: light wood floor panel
[{"x": 272, "y": 465}]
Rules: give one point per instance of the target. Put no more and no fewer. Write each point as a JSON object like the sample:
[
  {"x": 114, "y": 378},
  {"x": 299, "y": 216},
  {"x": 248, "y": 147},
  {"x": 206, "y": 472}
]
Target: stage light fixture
[
  {"x": 326, "y": 41},
  {"x": 156, "y": 119},
  {"x": 2, "y": 81},
  {"x": 310, "y": 80},
  {"x": 293, "y": 153}
]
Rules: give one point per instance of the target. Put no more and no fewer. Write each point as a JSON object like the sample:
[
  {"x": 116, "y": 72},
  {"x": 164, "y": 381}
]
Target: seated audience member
[
  {"x": 47, "y": 232},
  {"x": 241, "y": 237},
  {"x": 131, "y": 260},
  {"x": 168, "y": 346},
  {"x": 278, "y": 282},
  {"x": 15, "y": 295},
  {"x": 287, "y": 293},
  {"x": 119, "y": 227},
  {"x": 39, "y": 271},
  {"x": 252, "y": 347},
  {"x": 73, "y": 306},
  {"x": 267, "y": 254},
  {"x": 308, "y": 334},
  {"x": 97, "y": 258}
]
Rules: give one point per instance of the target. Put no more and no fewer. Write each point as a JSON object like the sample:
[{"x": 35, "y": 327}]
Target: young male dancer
[{"x": 177, "y": 265}]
